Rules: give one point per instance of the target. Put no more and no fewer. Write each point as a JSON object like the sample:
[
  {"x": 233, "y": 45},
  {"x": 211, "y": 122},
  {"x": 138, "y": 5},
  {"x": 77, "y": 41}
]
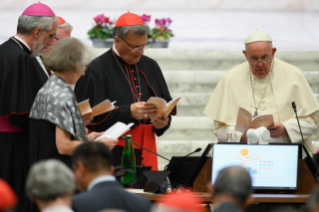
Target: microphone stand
[
  {"x": 314, "y": 169},
  {"x": 122, "y": 137}
]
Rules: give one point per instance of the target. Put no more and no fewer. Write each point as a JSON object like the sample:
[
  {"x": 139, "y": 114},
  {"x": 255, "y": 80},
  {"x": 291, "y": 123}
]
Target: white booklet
[{"x": 116, "y": 130}]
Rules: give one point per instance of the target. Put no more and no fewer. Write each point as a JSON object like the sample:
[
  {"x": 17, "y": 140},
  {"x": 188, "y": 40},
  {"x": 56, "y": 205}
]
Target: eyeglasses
[
  {"x": 147, "y": 45},
  {"x": 263, "y": 60}
]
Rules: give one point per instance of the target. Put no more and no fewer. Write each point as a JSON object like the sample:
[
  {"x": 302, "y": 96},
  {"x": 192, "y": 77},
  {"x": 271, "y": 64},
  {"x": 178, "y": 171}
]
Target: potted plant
[
  {"x": 160, "y": 34},
  {"x": 101, "y": 34}
]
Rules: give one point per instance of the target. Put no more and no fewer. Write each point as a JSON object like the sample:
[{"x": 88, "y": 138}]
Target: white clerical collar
[
  {"x": 115, "y": 50},
  {"x": 22, "y": 41},
  {"x": 98, "y": 180},
  {"x": 58, "y": 208},
  {"x": 42, "y": 65}
]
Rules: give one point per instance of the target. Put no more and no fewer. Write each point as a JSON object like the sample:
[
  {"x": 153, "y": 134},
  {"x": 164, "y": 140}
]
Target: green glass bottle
[{"x": 129, "y": 160}]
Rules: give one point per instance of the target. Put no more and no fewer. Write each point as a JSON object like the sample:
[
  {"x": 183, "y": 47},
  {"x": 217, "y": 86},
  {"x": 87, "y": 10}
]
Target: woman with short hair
[
  {"x": 56, "y": 124},
  {"x": 50, "y": 184}
]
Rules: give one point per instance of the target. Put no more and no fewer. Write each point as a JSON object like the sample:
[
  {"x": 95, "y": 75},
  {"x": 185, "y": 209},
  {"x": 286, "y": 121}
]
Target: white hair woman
[
  {"x": 50, "y": 184},
  {"x": 56, "y": 124}
]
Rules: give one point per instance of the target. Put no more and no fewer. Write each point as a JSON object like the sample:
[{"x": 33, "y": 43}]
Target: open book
[
  {"x": 162, "y": 105},
  {"x": 245, "y": 120},
  {"x": 103, "y": 107},
  {"x": 116, "y": 130}
]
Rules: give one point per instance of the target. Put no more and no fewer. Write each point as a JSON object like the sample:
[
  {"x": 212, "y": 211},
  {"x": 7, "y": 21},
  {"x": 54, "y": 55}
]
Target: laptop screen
[{"x": 271, "y": 167}]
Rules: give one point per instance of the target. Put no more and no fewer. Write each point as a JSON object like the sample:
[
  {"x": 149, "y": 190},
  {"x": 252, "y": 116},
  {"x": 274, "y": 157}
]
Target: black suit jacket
[
  {"x": 228, "y": 207},
  {"x": 109, "y": 195}
]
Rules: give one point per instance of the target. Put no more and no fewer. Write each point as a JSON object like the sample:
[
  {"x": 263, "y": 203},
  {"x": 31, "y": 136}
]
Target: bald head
[{"x": 233, "y": 181}]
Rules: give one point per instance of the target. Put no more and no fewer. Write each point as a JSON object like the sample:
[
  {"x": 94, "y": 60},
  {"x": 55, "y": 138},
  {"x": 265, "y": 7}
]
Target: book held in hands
[
  {"x": 99, "y": 109},
  {"x": 116, "y": 130},
  {"x": 245, "y": 120},
  {"x": 162, "y": 105}
]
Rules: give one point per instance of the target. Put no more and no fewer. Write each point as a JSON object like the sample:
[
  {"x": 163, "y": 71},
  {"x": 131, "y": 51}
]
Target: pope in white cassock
[{"x": 264, "y": 85}]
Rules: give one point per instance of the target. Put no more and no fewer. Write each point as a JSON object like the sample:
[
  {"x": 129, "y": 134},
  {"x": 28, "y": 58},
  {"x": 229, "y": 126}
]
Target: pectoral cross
[{"x": 255, "y": 114}]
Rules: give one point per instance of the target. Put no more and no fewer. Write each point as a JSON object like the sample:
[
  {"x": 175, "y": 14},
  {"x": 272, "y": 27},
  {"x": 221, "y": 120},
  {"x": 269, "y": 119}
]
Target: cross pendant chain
[{"x": 255, "y": 114}]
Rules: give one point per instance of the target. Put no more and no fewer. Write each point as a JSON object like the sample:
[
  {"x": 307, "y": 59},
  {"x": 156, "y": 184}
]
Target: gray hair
[
  {"x": 233, "y": 181},
  {"x": 136, "y": 29},
  {"x": 26, "y": 24},
  {"x": 67, "y": 26},
  {"x": 68, "y": 54},
  {"x": 48, "y": 180}
]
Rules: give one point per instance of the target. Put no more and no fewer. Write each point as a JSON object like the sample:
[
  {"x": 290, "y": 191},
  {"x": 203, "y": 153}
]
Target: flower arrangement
[
  {"x": 161, "y": 30},
  {"x": 103, "y": 28}
]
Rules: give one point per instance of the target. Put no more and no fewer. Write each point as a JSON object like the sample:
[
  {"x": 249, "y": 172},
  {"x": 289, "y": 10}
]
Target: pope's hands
[
  {"x": 160, "y": 121},
  {"x": 277, "y": 130},
  {"x": 243, "y": 138},
  {"x": 141, "y": 110}
]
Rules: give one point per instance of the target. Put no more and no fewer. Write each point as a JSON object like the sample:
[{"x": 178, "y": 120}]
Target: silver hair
[
  {"x": 136, "y": 29},
  {"x": 66, "y": 25},
  {"x": 67, "y": 55},
  {"x": 26, "y": 24},
  {"x": 48, "y": 180},
  {"x": 270, "y": 45},
  {"x": 233, "y": 181}
]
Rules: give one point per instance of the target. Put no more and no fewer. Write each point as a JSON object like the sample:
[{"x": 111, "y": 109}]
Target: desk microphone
[
  {"x": 196, "y": 150},
  {"x": 311, "y": 164},
  {"x": 122, "y": 137},
  {"x": 295, "y": 109}
]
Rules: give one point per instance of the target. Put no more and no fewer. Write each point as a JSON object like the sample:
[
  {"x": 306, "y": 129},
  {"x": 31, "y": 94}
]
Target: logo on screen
[
  {"x": 245, "y": 156},
  {"x": 251, "y": 170}
]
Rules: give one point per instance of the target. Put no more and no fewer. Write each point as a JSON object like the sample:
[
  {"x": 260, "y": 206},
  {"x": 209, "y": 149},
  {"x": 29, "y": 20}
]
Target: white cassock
[{"x": 287, "y": 84}]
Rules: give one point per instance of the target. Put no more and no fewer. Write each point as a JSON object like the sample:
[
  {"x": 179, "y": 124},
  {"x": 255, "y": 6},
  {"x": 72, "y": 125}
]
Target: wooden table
[{"x": 258, "y": 198}]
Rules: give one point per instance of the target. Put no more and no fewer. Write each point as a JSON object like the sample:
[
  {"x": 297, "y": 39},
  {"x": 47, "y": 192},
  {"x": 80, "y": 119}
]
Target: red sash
[
  {"x": 6, "y": 126},
  {"x": 144, "y": 136}
]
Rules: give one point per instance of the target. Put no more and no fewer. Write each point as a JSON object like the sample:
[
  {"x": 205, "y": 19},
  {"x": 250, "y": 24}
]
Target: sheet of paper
[{"x": 116, "y": 130}]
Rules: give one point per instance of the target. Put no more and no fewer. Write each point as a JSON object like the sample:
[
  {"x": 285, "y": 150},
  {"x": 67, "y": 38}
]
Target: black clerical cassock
[
  {"x": 21, "y": 77},
  {"x": 109, "y": 77}
]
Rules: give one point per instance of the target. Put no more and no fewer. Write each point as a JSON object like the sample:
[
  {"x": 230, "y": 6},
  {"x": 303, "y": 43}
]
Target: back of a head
[
  {"x": 233, "y": 181},
  {"x": 68, "y": 54},
  {"x": 95, "y": 156},
  {"x": 312, "y": 204},
  {"x": 48, "y": 180}
]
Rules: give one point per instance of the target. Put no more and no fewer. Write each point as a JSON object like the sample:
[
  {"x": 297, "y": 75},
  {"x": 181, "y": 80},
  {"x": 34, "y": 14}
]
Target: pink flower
[
  {"x": 99, "y": 19},
  {"x": 169, "y": 20},
  {"x": 146, "y": 17}
]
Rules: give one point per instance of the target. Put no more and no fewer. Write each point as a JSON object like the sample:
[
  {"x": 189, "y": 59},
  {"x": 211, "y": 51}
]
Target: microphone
[
  {"x": 309, "y": 160},
  {"x": 122, "y": 137},
  {"x": 175, "y": 162},
  {"x": 295, "y": 109}
]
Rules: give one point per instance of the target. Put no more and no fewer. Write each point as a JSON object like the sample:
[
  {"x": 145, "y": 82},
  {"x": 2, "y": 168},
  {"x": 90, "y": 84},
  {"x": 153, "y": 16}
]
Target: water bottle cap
[{"x": 229, "y": 133}]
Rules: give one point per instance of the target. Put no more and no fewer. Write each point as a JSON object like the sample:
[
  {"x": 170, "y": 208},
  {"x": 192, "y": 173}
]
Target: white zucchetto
[{"x": 257, "y": 36}]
